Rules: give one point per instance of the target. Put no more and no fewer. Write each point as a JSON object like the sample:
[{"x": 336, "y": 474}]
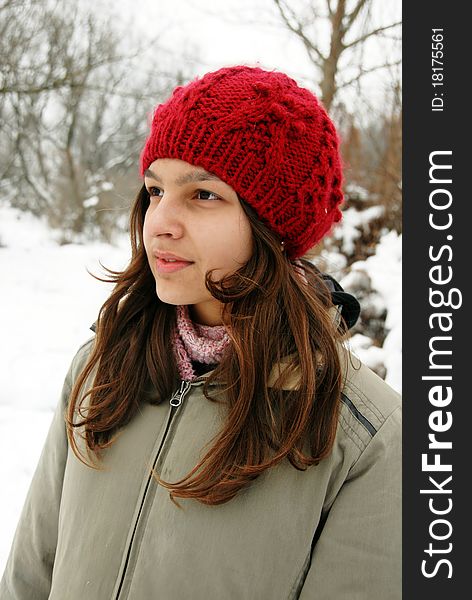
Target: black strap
[{"x": 350, "y": 307}]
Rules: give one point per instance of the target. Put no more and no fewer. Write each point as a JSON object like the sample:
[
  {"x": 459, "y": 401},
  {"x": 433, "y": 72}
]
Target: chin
[
  {"x": 168, "y": 298},
  {"x": 171, "y": 298}
]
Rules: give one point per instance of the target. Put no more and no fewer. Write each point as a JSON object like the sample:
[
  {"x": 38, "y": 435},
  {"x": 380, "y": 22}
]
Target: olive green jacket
[{"x": 332, "y": 532}]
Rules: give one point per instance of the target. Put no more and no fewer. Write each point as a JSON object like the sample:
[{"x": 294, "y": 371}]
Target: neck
[{"x": 209, "y": 316}]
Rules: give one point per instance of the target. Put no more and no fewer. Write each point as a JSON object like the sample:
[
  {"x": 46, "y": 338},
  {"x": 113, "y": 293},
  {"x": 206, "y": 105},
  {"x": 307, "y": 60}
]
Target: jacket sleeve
[
  {"x": 358, "y": 553},
  {"x": 28, "y": 571}
]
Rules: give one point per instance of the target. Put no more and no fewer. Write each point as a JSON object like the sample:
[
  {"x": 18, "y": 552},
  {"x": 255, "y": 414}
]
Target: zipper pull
[{"x": 176, "y": 399}]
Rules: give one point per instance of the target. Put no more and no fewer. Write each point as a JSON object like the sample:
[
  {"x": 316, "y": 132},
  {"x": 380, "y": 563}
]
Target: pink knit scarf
[
  {"x": 205, "y": 344},
  {"x": 195, "y": 342}
]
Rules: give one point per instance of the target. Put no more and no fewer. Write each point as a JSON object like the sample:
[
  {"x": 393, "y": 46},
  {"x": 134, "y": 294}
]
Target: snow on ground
[
  {"x": 384, "y": 269},
  {"x": 48, "y": 302},
  {"x": 352, "y": 222}
]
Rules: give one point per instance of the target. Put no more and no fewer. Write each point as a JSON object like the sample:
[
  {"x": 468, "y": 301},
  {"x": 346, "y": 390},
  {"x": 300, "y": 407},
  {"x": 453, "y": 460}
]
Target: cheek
[
  {"x": 146, "y": 234},
  {"x": 241, "y": 240},
  {"x": 246, "y": 240},
  {"x": 145, "y": 225},
  {"x": 230, "y": 248}
]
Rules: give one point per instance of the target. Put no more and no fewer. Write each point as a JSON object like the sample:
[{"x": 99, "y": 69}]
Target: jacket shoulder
[{"x": 367, "y": 403}]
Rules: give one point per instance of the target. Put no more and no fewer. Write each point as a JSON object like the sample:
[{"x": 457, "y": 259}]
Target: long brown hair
[{"x": 270, "y": 314}]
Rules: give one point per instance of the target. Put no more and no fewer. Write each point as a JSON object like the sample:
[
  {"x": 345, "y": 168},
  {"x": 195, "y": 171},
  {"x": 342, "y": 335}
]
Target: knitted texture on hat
[
  {"x": 193, "y": 341},
  {"x": 269, "y": 139}
]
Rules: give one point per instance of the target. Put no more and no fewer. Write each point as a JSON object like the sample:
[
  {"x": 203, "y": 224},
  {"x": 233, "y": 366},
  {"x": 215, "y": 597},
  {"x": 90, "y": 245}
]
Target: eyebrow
[{"x": 200, "y": 175}]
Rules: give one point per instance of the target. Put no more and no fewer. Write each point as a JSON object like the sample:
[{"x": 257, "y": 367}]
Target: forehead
[{"x": 179, "y": 171}]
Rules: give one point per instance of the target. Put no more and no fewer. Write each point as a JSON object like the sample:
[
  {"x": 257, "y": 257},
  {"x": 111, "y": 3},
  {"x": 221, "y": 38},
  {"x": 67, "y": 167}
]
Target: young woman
[{"x": 214, "y": 440}]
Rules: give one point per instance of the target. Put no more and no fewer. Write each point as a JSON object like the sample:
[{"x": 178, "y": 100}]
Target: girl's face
[{"x": 197, "y": 217}]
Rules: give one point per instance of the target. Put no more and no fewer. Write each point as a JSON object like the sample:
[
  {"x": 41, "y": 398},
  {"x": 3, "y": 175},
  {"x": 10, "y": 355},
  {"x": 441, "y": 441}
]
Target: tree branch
[
  {"x": 364, "y": 37},
  {"x": 355, "y": 13},
  {"x": 363, "y": 72},
  {"x": 330, "y": 8},
  {"x": 298, "y": 30}
]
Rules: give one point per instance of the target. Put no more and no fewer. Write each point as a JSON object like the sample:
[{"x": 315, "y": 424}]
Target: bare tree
[
  {"x": 386, "y": 142},
  {"x": 349, "y": 28},
  {"x": 73, "y": 115},
  {"x": 31, "y": 62}
]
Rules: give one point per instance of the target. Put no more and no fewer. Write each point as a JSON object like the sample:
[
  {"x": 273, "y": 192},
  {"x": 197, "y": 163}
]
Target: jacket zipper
[
  {"x": 177, "y": 398},
  {"x": 175, "y": 402}
]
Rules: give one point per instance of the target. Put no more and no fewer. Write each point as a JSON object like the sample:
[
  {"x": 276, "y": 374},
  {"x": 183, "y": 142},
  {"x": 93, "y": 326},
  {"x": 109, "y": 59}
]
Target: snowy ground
[
  {"x": 385, "y": 271},
  {"x": 48, "y": 302}
]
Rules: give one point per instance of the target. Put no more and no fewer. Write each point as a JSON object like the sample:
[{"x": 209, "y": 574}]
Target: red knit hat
[{"x": 269, "y": 139}]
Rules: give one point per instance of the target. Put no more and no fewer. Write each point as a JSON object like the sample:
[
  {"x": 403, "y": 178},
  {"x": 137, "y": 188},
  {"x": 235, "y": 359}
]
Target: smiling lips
[
  {"x": 168, "y": 262},
  {"x": 166, "y": 266}
]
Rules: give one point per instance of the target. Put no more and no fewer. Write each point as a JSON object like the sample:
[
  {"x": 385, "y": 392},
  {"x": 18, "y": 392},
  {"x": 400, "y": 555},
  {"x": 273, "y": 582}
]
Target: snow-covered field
[{"x": 48, "y": 302}]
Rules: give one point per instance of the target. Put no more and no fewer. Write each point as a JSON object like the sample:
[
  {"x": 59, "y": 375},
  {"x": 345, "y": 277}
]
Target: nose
[{"x": 163, "y": 217}]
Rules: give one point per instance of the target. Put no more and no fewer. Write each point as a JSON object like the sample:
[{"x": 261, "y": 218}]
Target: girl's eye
[
  {"x": 203, "y": 194},
  {"x": 154, "y": 191},
  {"x": 206, "y": 194}
]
